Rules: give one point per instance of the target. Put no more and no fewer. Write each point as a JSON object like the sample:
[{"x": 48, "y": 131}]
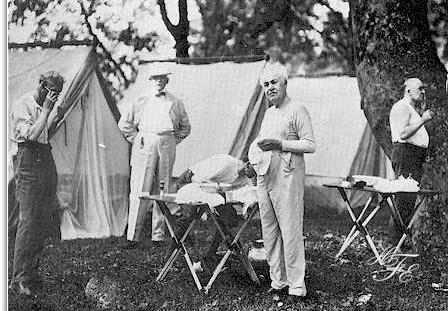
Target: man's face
[
  {"x": 247, "y": 170},
  {"x": 275, "y": 88},
  {"x": 417, "y": 92},
  {"x": 50, "y": 86},
  {"x": 159, "y": 82}
]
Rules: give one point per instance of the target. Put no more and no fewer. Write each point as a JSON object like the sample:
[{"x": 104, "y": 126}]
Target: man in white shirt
[
  {"x": 410, "y": 141},
  {"x": 277, "y": 153},
  {"x": 154, "y": 125}
]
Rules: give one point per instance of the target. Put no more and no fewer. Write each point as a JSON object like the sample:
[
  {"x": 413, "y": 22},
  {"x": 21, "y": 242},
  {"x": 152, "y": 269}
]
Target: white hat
[{"x": 158, "y": 74}]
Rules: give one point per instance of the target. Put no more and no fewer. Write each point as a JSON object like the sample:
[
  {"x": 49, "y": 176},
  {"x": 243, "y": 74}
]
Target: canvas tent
[
  {"x": 91, "y": 156},
  {"x": 225, "y": 104}
]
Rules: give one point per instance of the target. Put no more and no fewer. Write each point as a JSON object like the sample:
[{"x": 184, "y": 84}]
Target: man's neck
[
  {"x": 409, "y": 101},
  {"x": 280, "y": 102}
]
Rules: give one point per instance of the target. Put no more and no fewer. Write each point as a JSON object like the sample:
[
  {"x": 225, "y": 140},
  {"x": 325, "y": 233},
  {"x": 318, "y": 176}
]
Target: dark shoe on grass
[
  {"x": 278, "y": 294},
  {"x": 132, "y": 245}
]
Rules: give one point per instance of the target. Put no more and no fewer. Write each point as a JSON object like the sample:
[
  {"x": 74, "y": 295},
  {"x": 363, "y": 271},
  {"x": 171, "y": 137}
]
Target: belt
[
  {"x": 397, "y": 143},
  {"x": 34, "y": 145}
]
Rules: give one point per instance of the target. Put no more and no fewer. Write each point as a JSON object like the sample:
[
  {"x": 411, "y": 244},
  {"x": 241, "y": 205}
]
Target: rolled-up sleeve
[
  {"x": 183, "y": 128},
  {"x": 128, "y": 124},
  {"x": 304, "y": 130}
]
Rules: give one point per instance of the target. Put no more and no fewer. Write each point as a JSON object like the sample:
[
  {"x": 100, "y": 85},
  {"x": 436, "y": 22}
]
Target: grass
[{"x": 67, "y": 266}]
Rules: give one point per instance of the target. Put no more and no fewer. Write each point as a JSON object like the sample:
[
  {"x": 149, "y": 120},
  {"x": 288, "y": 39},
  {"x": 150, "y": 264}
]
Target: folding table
[
  {"x": 361, "y": 221},
  {"x": 232, "y": 244}
]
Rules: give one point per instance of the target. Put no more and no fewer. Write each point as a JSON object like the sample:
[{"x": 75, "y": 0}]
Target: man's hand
[
  {"x": 427, "y": 115},
  {"x": 270, "y": 144},
  {"x": 50, "y": 100}
]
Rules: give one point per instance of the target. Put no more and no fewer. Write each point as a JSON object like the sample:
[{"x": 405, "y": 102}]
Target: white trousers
[
  {"x": 151, "y": 164},
  {"x": 280, "y": 197}
]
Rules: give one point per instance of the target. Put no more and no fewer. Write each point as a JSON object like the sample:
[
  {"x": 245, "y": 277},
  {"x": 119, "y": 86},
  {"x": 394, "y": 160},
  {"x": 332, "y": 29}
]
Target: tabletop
[
  {"x": 424, "y": 192},
  {"x": 171, "y": 198}
]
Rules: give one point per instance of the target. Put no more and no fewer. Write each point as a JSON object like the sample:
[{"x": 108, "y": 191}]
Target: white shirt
[
  {"x": 157, "y": 115},
  {"x": 24, "y": 113},
  {"x": 403, "y": 114},
  {"x": 291, "y": 124}
]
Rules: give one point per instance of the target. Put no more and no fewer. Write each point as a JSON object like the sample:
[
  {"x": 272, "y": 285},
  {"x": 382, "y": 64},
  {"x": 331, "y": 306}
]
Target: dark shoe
[
  {"x": 21, "y": 289},
  {"x": 278, "y": 294},
  {"x": 132, "y": 245}
]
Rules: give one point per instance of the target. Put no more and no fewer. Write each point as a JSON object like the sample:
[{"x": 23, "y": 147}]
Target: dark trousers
[
  {"x": 36, "y": 181},
  {"x": 407, "y": 160},
  {"x": 13, "y": 209}
]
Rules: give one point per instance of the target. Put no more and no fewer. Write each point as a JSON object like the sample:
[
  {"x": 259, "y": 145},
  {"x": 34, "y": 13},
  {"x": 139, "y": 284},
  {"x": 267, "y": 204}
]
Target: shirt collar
[{"x": 160, "y": 94}]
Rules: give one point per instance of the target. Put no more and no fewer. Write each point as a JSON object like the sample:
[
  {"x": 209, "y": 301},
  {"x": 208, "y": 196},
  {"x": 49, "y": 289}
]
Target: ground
[{"x": 67, "y": 266}]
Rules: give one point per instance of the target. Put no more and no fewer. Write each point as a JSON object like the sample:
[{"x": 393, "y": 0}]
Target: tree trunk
[
  {"x": 393, "y": 43},
  {"x": 180, "y": 31}
]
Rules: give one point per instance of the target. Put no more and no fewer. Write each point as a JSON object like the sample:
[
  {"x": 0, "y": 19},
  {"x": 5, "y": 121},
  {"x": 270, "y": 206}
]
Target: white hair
[{"x": 273, "y": 70}]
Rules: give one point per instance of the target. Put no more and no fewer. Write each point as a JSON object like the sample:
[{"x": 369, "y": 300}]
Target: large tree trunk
[{"x": 392, "y": 43}]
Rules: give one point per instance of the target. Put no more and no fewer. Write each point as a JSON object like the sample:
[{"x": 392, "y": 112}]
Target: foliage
[
  {"x": 311, "y": 32},
  {"x": 438, "y": 20},
  {"x": 315, "y": 32},
  {"x": 117, "y": 28},
  {"x": 245, "y": 27}
]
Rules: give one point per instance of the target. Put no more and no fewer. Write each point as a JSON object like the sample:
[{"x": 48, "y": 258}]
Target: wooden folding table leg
[
  {"x": 243, "y": 257},
  {"x": 354, "y": 233},
  {"x": 406, "y": 229},
  {"x": 234, "y": 246},
  {"x": 176, "y": 251},
  {"x": 190, "y": 266},
  {"x": 247, "y": 265},
  {"x": 350, "y": 237},
  {"x": 217, "y": 270}
]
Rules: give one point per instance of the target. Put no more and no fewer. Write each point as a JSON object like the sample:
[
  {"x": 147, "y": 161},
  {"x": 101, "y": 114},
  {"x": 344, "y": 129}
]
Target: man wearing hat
[
  {"x": 154, "y": 125},
  {"x": 410, "y": 141}
]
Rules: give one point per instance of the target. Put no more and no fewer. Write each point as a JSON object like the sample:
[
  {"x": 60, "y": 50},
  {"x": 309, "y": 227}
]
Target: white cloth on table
[
  {"x": 192, "y": 193},
  {"x": 397, "y": 185}
]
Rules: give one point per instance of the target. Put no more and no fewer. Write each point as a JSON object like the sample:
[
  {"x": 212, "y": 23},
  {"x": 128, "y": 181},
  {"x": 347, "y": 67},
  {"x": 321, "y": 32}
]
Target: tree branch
[
  {"x": 166, "y": 20},
  {"x": 96, "y": 41},
  {"x": 183, "y": 12}
]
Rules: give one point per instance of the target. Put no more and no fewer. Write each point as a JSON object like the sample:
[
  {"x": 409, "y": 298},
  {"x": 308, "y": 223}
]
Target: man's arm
[
  {"x": 32, "y": 130},
  {"x": 401, "y": 117},
  {"x": 127, "y": 124},
  {"x": 183, "y": 128},
  {"x": 306, "y": 142}
]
